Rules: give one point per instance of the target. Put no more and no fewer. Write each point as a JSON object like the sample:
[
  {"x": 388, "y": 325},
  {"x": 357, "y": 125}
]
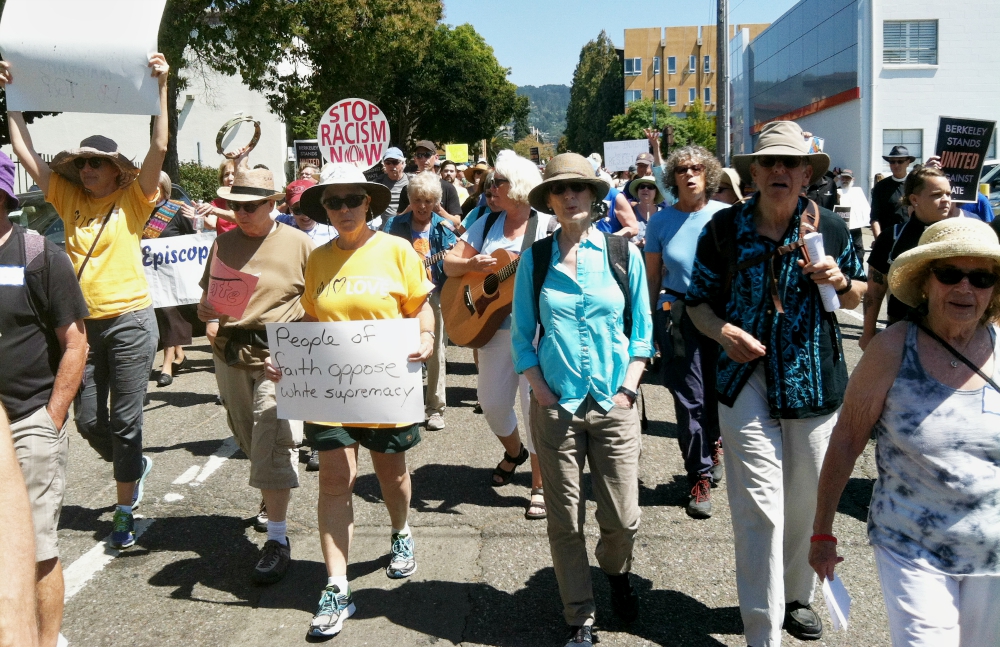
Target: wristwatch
[
  {"x": 847, "y": 288},
  {"x": 628, "y": 393}
]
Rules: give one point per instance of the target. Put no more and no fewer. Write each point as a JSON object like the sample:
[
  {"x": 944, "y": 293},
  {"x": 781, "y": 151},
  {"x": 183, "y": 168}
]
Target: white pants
[
  {"x": 928, "y": 608},
  {"x": 498, "y": 385},
  {"x": 772, "y": 475},
  {"x": 435, "y": 400}
]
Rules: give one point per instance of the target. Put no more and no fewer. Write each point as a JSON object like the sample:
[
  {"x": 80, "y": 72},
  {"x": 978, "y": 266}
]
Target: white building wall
[{"x": 839, "y": 128}]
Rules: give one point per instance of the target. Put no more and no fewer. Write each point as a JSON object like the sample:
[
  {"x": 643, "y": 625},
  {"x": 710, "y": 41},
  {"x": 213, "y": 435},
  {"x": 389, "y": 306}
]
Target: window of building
[
  {"x": 656, "y": 65},
  {"x": 692, "y": 64},
  {"x": 991, "y": 153},
  {"x": 672, "y": 96},
  {"x": 656, "y": 94},
  {"x": 632, "y": 95},
  {"x": 912, "y": 139},
  {"x": 671, "y": 65},
  {"x": 708, "y": 96},
  {"x": 910, "y": 42},
  {"x": 633, "y": 66},
  {"x": 692, "y": 95},
  {"x": 708, "y": 64}
]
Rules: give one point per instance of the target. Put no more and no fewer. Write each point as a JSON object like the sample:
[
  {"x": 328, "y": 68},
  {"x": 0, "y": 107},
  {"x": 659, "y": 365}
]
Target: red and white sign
[{"x": 353, "y": 131}]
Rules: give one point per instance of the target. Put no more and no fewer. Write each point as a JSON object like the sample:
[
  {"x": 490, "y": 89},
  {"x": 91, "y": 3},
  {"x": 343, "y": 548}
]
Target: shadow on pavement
[
  {"x": 661, "y": 429},
  {"x": 194, "y": 447},
  {"x": 75, "y": 517},
  {"x": 461, "y": 396},
  {"x": 180, "y": 398},
  {"x": 675, "y": 493},
  {"x": 449, "y": 486},
  {"x": 461, "y": 368},
  {"x": 856, "y": 498}
]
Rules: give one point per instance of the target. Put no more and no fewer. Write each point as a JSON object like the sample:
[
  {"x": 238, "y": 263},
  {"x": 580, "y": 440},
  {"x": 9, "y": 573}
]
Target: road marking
[
  {"x": 187, "y": 475},
  {"x": 172, "y": 497},
  {"x": 82, "y": 570},
  {"x": 216, "y": 460},
  {"x": 852, "y": 315}
]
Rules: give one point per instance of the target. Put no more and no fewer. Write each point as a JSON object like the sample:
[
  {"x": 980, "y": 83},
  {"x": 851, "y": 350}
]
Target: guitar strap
[{"x": 530, "y": 231}]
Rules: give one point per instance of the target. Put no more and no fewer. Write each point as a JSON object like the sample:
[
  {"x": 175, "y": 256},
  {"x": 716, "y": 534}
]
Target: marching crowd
[{"x": 699, "y": 267}]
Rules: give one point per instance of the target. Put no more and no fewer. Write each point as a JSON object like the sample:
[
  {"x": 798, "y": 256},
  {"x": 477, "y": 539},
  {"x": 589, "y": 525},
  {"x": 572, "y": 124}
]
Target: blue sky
[{"x": 540, "y": 40}]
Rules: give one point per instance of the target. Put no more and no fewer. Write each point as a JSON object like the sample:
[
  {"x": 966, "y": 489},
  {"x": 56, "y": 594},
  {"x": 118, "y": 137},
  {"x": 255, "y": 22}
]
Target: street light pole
[{"x": 722, "y": 82}]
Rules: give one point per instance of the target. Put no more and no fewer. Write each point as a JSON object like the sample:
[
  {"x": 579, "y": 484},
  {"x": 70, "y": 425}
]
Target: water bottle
[{"x": 199, "y": 223}]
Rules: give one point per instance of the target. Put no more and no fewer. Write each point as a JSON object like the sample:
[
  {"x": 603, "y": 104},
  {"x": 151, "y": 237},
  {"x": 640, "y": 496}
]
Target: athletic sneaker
[
  {"x": 147, "y": 464},
  {"x": 402, "y": 564},
  {"x": 273, "y": 563},
  {"x": 700, "y": 504},
  {"x": 435, "y": 422},
  {"x": 718, "y": 470},
  {"x": 123, "y": 529},
  {"x": 334, "y": 608}
]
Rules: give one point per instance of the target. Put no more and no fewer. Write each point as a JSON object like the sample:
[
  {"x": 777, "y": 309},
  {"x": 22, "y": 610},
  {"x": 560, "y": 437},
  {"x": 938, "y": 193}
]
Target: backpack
[{"x": 36, "y": 280}]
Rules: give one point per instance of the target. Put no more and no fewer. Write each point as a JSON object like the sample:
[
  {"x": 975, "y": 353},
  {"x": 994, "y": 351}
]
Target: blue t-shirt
[
  {"x": 981, "y": 208},
  {"x": 674, "y": 235}
]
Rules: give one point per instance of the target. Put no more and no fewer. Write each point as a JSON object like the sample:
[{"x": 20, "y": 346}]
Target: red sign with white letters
[{"x": 354, "y": 131}]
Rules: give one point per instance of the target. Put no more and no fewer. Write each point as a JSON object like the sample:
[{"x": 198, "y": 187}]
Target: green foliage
[
  {"x": 595, "y": 97},
  {"x": 700, "y": 127},
  {"x": 520, "y": 124},
  {"x": 694, "y": 128},
  {"x": 561, "y": 147},
  {"x": 199, "y": 182},
  {"x": 523, "y": 148},
  {"x": 548, "y": 108}
]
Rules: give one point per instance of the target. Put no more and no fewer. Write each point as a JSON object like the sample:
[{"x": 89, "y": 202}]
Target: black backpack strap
[
  {"x": 36, "y": 275},
  {"x": 490, "y": 221},
  {"x": 618, "y": 262},
  {"x": 541, "y": 253}
]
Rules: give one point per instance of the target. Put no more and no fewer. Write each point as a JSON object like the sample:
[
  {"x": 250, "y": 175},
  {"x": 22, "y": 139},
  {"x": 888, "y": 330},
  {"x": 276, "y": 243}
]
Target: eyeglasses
[
  {"x": 575, "y": 187},
  {"x": 391, "y": 162},
  {"x": 93, "y": 162},
  {"x": 788, "y": 161},
  {"x": 497, "y": 182},
  {"x": 650, "y": 187},
  {"x": 423, "y": 156},
  {"x": 249, "y": 207},
  {"x": 333, "y": 203},
  {"x": 490, "y": 196},
  {"x": 697, "y": 169},
  {"x": 979, "y": 279}
]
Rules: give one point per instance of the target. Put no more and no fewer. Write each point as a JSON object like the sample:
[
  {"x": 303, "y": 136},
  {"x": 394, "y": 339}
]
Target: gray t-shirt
[{"x": 396, "y": 188}]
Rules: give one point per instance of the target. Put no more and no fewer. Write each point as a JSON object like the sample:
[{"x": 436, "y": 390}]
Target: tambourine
[{"x": 229, "y": 125}]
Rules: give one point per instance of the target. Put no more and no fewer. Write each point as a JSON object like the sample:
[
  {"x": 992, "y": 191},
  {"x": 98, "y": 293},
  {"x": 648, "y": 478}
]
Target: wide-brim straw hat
[
  {"x": 470, "y": 173},
  {"x": 633, "y": 187},
  {"x": 782, "y": 138},
  {"x": 94, "y": 146},
  {"x": 250, "y": 185},
  {"x": 732, "y": 178},
  {"x": 568, "y": 167},
  {"x": 334, "y": 173},
  {"x": 949, "y": 238}
]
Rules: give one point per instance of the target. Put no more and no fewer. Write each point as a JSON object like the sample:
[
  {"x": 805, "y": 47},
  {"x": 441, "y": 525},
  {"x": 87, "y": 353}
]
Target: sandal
[
  {"x": 532, "y": 505},
  {"x": 507, "y": 475}
]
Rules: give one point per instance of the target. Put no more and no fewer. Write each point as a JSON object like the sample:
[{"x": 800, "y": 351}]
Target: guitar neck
[
  {"x": 509, "y": 271},
  {"x": 430, "y": 260}
]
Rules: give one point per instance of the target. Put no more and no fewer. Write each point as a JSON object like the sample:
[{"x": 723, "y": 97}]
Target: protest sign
[
  {"x": 174, "y": 266},
  {"x": 962, "y": 146},
  {"x": 618, "y": 156},
  {"x": 307, "y": 152},
  {"x": 348, "y": 371},
  {"x": 229, "y": 290},
  {"x": 88, "y": 56},
  {"x": 353, "y": 131},
  {"x": 458, "y": 153}
]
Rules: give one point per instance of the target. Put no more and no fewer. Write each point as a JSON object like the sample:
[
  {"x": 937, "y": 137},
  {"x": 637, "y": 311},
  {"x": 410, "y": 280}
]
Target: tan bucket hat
[
  {"x": 782, "y": 138},
  {"x": 731, "y": 178},
  {"x": 470, "y": 173},
  {"x": 633, "y": 187},
  {"x": 348, "y": 174},
  {"x": 94, "y": 146},
  {"x": 250, "y": 185},
  {"x": 948, "y": 238},
  {"x": 566, "y": 167}
]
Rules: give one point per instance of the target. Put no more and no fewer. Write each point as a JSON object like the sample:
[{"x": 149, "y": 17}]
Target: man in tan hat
[
  {"x": 276, "y": 255},
  {"x": 450, "y": 208},
  {"x": 781, "y": 374}
]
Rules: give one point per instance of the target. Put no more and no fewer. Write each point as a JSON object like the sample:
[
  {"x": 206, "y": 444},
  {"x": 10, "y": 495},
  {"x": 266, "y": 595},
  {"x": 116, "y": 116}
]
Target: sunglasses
[
  {"x": 333, "y": 203},
  {"x": 295, "y": 209},
  {"x": 650, "y": 187},
  {"x": 497, "y": 182},
  {"x": 788, "y": 161},
  {"x": 697, "y": 169},
  {"x": 93, "y": 162},
  {"x": 979, "y": 279},
  {"x": 249, "y": 207},
  {"x": 575, "y": 187},
  {"x": 391, "y": 162},
  {"x": 891, "y": 162},
  {"x": 422, "y": 156}
]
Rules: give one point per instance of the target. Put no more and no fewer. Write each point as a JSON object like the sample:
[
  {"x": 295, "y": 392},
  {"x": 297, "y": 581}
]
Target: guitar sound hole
[{"x": 491, "y": 284}]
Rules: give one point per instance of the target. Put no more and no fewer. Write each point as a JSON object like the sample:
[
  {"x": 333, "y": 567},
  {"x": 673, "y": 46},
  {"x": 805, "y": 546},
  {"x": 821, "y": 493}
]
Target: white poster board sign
[
  {"x": 618, "y": 156},
  {"x": 354, "y": 131},
  {"x": 82, "y": 56},
  {"x": 174, "y": 266},
  {"x": 348, "y": 371}
]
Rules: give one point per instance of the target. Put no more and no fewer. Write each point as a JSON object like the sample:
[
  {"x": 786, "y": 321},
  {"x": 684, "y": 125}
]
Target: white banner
[
  {"x": 174, "y": 266},
  {"x": 348, "y": 371},
  {"x": 82, "y": 55},
  {"x": 618, "y": 156}
]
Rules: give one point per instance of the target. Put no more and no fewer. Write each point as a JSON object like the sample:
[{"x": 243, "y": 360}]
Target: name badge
[
  {"x": 11, "y": 275},
  {"x": 991, "y": 400}
]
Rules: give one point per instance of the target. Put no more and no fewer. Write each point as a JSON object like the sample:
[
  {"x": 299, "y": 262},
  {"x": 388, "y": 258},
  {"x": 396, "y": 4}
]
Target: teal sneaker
[
  {"x": 123, "y": 529},
  {"x": 147, "y": 464},
  {"x": 401, "y": 561},
  {"x": 334, "y": 608}
]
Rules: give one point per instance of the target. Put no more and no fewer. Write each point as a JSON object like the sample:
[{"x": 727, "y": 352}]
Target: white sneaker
[{"x": 435, "y": 422}]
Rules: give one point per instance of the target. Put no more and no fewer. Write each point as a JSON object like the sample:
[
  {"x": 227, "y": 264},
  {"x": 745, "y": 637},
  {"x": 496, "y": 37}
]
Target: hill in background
[{"x": 548, "y": 108}]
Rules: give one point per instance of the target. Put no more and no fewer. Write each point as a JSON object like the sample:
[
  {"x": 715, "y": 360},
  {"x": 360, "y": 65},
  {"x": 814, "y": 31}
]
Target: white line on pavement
[
  {"x": 852, "y": 314},
  {"x": 216, "y": 460},
  {"x": 172, "y": 497},
  {"x": 79, "y": 572},
  {"x": 189, "y": 474}
]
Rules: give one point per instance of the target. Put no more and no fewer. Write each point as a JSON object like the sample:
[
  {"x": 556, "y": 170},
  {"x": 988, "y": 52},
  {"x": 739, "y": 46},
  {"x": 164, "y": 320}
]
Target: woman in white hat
[
  {"x": 104, "y": 201},
  {"x": 929, "y": 388},
  {"x": 360, "y": 256}
]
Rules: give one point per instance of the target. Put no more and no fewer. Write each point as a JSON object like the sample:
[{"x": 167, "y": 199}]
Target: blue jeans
[{"x": 121, "y": 356}]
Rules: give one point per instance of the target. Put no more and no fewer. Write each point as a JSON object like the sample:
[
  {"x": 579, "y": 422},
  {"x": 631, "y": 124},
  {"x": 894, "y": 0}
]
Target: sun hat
[
  {"x": 899, "y": 152},
  {"x": 644, "y": 158},
  {"x": 394, "y": 153},
  {"x": 731, "y": 179},
  {"x": 294, "y": 190},
  {"x": 94, "y": 146},
  {"x": 571, "y": 167},
  {"x": 470, "y": 173},
  {"x": 782, "y": 138},
  {"x": 250, "y": 185},
  {"x": 948, "y": 238},
  {"x": 343, "y": 174},
  {"x": 633, "y": 187},
  {"x": 7, "y": 181}
]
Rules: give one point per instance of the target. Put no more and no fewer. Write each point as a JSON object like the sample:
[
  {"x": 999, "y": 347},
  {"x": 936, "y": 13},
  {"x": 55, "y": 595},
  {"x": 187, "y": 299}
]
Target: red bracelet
[{"x": 816, "y": 538}]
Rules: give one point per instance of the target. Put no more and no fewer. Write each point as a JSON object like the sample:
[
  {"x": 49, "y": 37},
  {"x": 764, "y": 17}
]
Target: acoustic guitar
[
  {"x": 475, "y": 304},
  {"x": 430, "y": 260}
]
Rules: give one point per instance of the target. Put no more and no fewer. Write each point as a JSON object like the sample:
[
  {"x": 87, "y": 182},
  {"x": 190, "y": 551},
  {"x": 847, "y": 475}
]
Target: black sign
[
  {"x": 307, "y": 152},
  {"x": 535, "y": 157},
  {"x": 962, "y": 146}
]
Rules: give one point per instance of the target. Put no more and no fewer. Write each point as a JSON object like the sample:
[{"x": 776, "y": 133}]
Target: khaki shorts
[{"x": 42, "y": 450}]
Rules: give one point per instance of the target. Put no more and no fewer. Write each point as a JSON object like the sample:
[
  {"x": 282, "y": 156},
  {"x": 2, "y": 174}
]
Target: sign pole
[{"x": 722, "y": 82}]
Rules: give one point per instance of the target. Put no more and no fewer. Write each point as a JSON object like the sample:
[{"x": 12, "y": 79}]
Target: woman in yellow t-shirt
[
  {"x": 347, "y": 201},
  {"x": 104, "y": 201}
]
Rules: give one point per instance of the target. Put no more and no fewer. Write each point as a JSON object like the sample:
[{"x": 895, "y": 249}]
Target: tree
[
  {"x": 595, "y": 97},
  {"x": 523, "y": 148},
  {"x": 694, "y": 128},
  {"x": 700, "y": 127},
  {"x": 520, "y": 124}
]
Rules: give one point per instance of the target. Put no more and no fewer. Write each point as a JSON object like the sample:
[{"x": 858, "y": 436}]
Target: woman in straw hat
[
  {"x": 383, "y": 278},
  {"x": 929, "y": 388},
  {"x": 648, "y": 199},
  {"x": 276, "y": 255},
  {"x": 104, "y": 201},
  {"x": 584, "y": 373},
  {"x": 729, "y": 187}
]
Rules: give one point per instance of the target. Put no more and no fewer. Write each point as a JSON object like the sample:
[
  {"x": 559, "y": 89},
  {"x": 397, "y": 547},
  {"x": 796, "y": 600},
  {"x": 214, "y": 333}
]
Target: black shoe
[
  {"x": 624, "y": 599},
  {"x": 273, "y": 563},
  {"x": 478, "y": 408},
  {"x": 165, "y": 379},
  {"x": 178, "y": 366},
  {"x": 700, "y": 504},
  {"x": 582, "y": 637},
  {"x": 313, "y": 464},
  {"x": 802, "y": 622}
]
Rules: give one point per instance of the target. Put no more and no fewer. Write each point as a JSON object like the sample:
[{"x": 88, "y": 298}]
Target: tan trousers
[
  {"x": 435, "y": 400},
  {"x": 610, "y": 442}
]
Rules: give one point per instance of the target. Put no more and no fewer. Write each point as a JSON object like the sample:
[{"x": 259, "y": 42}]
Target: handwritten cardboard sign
[
  {"x": 618, "y": 156},
  {"x": 229, "y": 290},
  {"x": 348, "y": 371},
  {"x": 354, "y": 131},
  {"x": 88, "y": 56},
  {"x": 962, "y": 145},
  {"x": 174, "y": 267},
  {"x": 458, "y": 153}
]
